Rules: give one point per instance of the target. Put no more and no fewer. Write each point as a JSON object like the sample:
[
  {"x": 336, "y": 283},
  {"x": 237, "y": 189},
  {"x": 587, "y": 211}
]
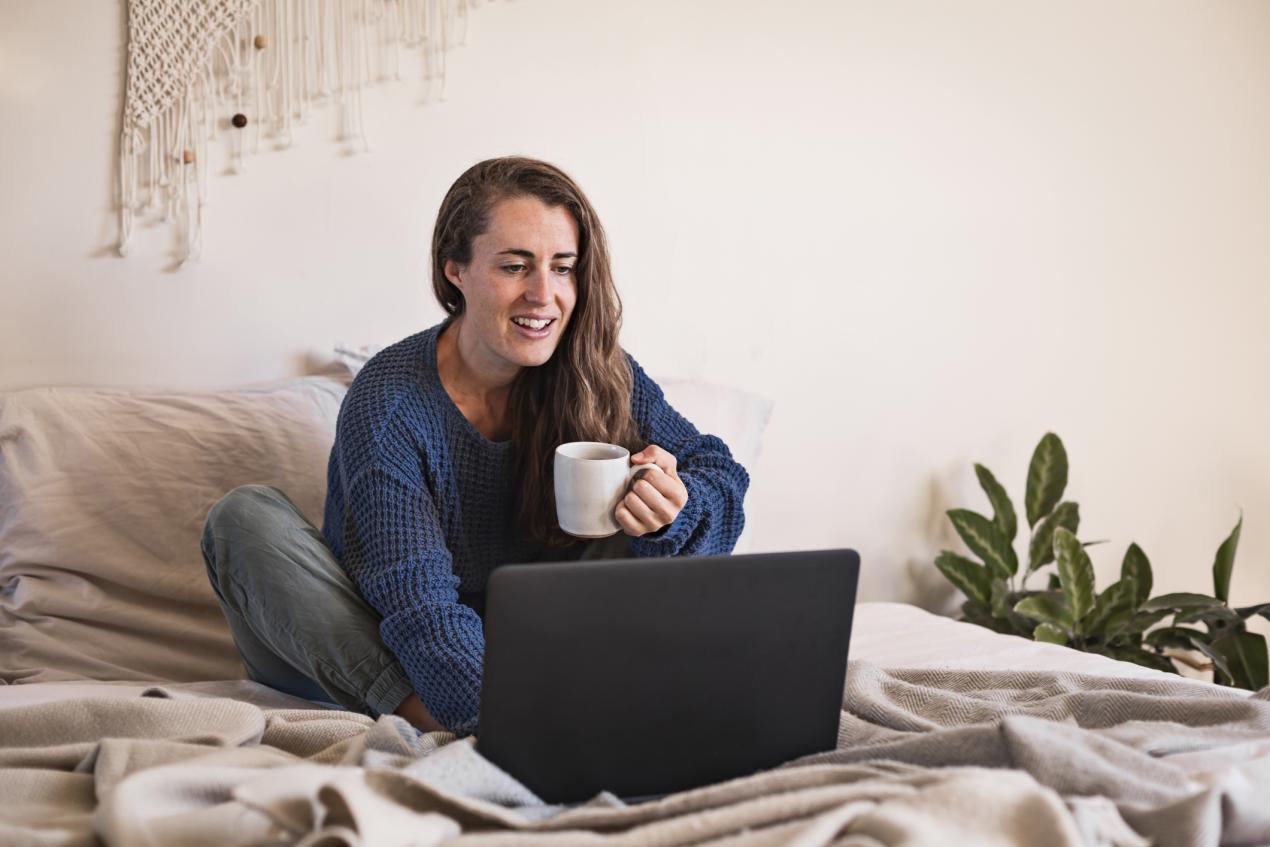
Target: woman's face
[{"x": 522, "y": 270}]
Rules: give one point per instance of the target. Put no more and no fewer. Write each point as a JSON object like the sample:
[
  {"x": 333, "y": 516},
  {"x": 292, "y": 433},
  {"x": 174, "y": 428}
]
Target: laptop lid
[{"x": 649, "y": 676}]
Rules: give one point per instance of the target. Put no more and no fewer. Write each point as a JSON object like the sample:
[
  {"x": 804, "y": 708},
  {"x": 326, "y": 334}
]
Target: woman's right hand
[{"x": 413, "y": 710}]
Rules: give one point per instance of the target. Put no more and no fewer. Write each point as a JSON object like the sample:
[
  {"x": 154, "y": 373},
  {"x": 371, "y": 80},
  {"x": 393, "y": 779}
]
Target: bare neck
[{"x": 481, "y": 397}]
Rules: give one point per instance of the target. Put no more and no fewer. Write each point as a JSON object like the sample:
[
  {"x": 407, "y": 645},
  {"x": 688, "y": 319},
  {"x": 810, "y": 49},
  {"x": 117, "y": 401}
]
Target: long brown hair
[{"x": 583, "y": 392}]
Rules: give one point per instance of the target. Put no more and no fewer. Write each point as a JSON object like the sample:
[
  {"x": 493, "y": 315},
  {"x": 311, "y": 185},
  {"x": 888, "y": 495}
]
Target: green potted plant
[{"x": 1122, "y": 621}]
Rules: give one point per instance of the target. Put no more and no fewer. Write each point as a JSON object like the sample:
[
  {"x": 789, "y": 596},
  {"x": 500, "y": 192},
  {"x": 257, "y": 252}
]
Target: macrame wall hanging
[{"x": 253, "y": 69}]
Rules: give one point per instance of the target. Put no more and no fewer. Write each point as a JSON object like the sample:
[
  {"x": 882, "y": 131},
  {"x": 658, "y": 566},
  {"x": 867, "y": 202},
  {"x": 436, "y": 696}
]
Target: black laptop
[{"x": 644, "y": 677}]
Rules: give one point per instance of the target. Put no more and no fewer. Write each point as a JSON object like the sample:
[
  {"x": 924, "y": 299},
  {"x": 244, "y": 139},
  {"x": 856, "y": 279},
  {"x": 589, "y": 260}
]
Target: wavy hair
[{"x": 583, "y": 392}]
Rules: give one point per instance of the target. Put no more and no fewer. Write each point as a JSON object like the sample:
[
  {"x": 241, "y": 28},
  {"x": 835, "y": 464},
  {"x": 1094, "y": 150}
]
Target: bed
[{"x": 125, "y": 718}]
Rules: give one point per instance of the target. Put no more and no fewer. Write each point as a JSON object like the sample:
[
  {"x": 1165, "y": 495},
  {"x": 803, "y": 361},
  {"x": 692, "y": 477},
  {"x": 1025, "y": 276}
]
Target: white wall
[{"x": 929, "y": 230}]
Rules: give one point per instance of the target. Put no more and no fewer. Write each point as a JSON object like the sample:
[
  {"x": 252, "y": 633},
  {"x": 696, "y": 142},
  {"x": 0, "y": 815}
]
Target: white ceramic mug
[{"x": 591, "y": 478}]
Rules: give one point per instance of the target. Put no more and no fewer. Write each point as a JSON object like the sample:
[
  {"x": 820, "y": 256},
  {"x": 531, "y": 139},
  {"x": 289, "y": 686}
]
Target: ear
[{"x": 453, "y": 272}]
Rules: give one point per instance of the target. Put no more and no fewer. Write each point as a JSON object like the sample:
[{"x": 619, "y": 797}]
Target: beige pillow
[{"x": 103, "y": 494}]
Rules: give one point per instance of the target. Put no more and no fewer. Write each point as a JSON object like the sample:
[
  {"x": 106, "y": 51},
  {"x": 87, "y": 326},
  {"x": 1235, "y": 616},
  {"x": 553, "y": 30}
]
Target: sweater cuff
[{"x": 671, "y": 539}]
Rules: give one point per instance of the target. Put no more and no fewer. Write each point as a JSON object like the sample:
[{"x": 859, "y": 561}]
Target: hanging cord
[{"x": 255, "y": 67}]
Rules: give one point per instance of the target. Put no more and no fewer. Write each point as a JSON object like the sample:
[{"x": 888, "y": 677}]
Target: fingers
[
  {"x": 654, "y": 500},
  {"x": 662, "y": 458},
  {"x": 628, "y": 522},
  {"x": 669, "y": 487},
  {"x": 643, "y": 512},
  {"x": 644, "y": 509}
]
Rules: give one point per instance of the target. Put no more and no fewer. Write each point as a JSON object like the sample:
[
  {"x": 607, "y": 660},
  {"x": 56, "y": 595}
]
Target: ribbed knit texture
[{"x": 419, "y": 507}]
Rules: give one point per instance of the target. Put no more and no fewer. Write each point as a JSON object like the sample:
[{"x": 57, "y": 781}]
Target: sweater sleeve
[
  {"x": 396, "y": 555},
  {"x": 712, "y": 519}
]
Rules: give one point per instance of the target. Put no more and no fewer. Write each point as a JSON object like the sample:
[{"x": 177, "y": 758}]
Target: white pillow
[
  {"x": 103, "y": 495},
  {"x": 738, "y": 417},
  {"x": 353, "y": 357}
]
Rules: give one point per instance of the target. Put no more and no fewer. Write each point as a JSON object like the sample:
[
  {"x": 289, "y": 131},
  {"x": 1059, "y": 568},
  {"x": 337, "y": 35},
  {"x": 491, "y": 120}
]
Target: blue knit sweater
[{"x": 420, "y": 507}]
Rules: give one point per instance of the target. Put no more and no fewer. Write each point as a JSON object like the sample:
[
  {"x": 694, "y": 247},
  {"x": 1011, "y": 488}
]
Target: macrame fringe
[{"x": 270, "y": 62}]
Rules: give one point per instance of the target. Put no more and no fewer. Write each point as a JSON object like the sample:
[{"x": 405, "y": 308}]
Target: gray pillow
[{"x": 103, "y": 494}]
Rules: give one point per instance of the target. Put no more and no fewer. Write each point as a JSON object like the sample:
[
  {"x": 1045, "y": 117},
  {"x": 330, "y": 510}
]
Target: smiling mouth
[{"x": 534, "y": 327}]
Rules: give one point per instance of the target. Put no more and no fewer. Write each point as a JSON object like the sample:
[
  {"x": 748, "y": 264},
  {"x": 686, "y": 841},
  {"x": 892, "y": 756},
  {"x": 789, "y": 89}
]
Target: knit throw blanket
[
  {"x": 253, "y": 69},
  {"x": 923, "y": 757}
]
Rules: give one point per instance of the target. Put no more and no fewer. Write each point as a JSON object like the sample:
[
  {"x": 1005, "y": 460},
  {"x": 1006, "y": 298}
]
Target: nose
[{"x": 538, "y": 287}]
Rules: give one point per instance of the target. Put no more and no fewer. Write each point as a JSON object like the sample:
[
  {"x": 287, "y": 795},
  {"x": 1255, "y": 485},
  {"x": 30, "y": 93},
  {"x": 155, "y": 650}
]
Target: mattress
[{"x": 890, "y": 635}]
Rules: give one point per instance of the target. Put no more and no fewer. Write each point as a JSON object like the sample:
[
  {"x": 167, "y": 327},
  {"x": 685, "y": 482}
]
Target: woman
[{"x": 442, "y": 466}]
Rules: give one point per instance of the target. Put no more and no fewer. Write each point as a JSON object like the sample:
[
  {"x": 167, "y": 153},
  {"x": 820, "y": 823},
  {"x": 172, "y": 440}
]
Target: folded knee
[
  {"x": 246, "y": 512},
  {"x": 247, "y": 507},
  {"x": 236, "y": 524}
]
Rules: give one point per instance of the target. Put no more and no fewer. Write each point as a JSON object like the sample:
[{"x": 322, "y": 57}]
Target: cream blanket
[{"x": 924, "y": 757}]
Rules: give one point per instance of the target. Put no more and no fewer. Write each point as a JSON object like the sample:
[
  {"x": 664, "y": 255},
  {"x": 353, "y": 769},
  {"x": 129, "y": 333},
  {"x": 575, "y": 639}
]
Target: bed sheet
[{"x": 949, "y": 734}]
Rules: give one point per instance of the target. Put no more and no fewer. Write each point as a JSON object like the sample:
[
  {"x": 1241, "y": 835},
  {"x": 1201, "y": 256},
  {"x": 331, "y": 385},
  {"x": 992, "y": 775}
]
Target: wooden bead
[
  {"x": 239, "y": 120},
  {"x": 261, "y": 42},
  {"x": 187, "y": 157}
]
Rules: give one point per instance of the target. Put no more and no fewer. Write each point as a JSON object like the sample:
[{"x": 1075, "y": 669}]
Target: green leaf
[
  {"x": 1215, "y": 618},
  {"x": 1262, "y": 609},
  {"x": 1139, "y": 657},
  {"x": 1041, "y": 548},
  {"x": 1113, "y": 608},
  {"x": 1245, "y": 653},
  {"x": 1221, "y": 668},
  {"x": 1053, "y": 584},
  {"x": 1002, "y": 509},
  {"x": 1000, "y": 599},
  {"x": 1049, "y": 633},
  {"x": 1176, "y": 636},
  {"x": 1180, "y": 600},
  {"x": 970, "y": 577},
  {"x": 979, "y": 614},
  {"x": 1075, "y": 572},
  {"x": 1050, "y": 608},
  {"x": 982, "y": 536},
  {"x": 1003, "y": 600},
  {"x": 1224, "y": 563},
  {"x": 1137, "y": 565},
  {"x": 1046, "y": 478},
  {"x": 1142, "y": 621}
]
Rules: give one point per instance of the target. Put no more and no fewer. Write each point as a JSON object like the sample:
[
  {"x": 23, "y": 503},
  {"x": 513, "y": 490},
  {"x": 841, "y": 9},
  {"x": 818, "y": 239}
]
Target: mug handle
[{"x": 636, "y": 468}]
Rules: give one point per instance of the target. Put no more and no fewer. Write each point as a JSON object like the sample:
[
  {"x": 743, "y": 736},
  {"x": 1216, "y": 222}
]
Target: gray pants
[{"x": 296, "y": 618}]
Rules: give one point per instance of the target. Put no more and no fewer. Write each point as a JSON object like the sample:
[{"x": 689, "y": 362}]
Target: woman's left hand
[{"x": 656, "y": 499}]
